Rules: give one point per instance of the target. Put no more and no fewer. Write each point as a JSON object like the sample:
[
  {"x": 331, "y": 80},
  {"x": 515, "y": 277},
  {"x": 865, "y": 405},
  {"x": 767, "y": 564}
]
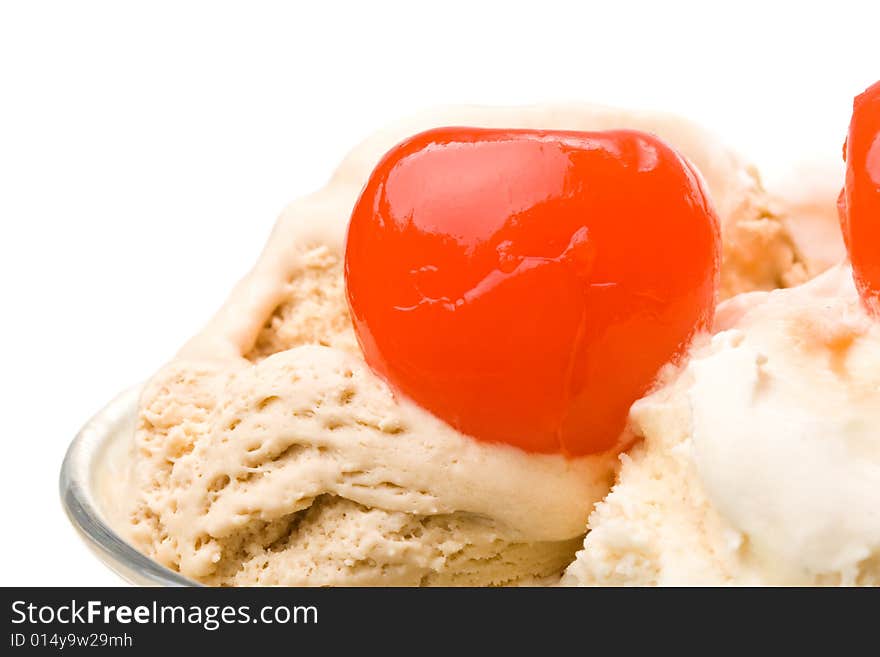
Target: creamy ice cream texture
[
  {"x": 267, "y": 452},
  {"x": 761, "y": 460}
]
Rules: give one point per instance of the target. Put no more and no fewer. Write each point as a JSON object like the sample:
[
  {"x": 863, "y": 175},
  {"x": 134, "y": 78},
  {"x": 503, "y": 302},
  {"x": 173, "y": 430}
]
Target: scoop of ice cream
[
  {"x": 267, "y": 452},
  {"x": 303, "y": 469},
  {"x": 761, "y": 460},
  {"x": 805, "y": 198}
]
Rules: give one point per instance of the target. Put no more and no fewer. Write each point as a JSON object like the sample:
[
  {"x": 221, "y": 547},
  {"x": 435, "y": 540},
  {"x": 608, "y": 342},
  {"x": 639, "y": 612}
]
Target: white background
[{"x": 146, "y": 148}]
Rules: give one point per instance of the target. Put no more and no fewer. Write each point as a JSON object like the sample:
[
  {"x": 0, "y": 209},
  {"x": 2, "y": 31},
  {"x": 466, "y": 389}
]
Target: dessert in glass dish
[{"x": 490, "y": 352}]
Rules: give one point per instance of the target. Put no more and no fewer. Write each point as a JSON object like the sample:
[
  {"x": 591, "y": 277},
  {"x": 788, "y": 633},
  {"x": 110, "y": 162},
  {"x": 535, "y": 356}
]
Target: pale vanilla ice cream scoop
[
  {"x": 761, "y": 460},
  {"x": 267, "y": 452}
]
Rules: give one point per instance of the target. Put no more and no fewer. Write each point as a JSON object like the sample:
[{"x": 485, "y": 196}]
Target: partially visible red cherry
[
  {"x": 859, "y": 203},
  {"x": 526, "y": 286}
]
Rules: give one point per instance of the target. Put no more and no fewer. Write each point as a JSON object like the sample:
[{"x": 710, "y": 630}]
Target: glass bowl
[{"x": 88, "y": 469}]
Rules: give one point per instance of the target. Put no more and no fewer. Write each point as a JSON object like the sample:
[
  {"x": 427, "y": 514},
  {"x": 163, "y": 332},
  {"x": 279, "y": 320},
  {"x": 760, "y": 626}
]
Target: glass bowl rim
[{"x": 76, "y": 487}]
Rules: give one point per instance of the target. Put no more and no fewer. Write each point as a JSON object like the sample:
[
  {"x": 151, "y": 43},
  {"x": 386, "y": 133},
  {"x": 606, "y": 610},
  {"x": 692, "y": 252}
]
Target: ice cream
[
  {"x": 303, "y": 469},
  {"x": 805, "y": 197},
  {"x": 267, "y": 452},
  {"x": 761, "y": 459}
]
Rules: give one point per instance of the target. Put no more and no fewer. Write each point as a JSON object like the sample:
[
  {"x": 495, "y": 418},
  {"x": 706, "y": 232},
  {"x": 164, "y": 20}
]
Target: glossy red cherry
[
  {"x": 526, "y": 286},
  {"x": 859, "y": 205}
]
